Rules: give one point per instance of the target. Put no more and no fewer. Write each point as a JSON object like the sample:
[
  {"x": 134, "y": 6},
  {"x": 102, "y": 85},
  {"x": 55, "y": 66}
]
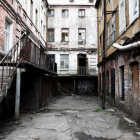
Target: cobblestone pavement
[{"x": 73, "y": 118}]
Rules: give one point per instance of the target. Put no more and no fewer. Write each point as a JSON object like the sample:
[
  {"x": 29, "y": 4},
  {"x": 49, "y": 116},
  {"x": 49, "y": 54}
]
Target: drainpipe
[
  {"x": 127, "y": 47},
  {"x": 104, "y": 55}
]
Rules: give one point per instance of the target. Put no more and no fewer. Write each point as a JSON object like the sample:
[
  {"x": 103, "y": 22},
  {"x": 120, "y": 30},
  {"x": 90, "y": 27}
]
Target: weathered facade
[
  {"x": 26, "y": 71},
  {"x": 72, "y": 38},
  {"x": 118, "y": 53}
]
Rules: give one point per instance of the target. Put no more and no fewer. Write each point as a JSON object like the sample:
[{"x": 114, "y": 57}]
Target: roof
[{"x": 97, "y": 3}]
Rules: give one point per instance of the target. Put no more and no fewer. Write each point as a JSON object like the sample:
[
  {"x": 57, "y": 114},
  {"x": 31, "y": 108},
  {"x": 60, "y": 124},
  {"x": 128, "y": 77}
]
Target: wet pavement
[{"x": 72, "y": 118}]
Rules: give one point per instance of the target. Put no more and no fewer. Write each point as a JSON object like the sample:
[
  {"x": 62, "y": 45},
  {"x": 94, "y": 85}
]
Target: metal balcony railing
[{"x": 24, "y": 49}]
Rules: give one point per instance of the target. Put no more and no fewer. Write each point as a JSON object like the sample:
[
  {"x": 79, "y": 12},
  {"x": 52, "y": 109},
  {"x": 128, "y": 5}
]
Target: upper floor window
[
  {"x": 65, "y": 35},
  {"x": 91, "y": 1},
  {"x": 82, "y": 35},
  {"x": 71, "y": 0},
  {"x": 31, "y": 10},
  {"x": 111, "y": 31},
  {"x": 101, "y": 9},
  {"x": 51, "y": 13},
  {"x": 81, "y": 13},
  {"x": 133, "y": 10},
  {"x": 65, "y": 13},
  {"x": 50, "y": 35},
  {"x": 122, "y": 19}
]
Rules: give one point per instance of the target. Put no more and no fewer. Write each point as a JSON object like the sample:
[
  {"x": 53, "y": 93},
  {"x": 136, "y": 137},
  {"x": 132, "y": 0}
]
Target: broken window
[
  {"x": 51, "y": 13},
  {"x": 65, "y": 35},
  {"x": 50, "y": 35},
  {"x": 82, "y": 36},
  {"x": 81, "y": 12},
  {"x": 64, "y": 61},
  {"x": 64, "y": 13}
]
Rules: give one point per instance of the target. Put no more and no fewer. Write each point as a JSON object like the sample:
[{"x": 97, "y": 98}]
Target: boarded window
[
  {"x": 81, "y": 12},
  {"x": 64, "y": 13},
  {"x": 122, "y": 19},
  {"x": 50, "y": 35},
  {"x": 64, "y": 61},
  {"x": 51, "y": 13},
  {"x": 82, "y": 35},
  {"x": 65, "y": 35}
]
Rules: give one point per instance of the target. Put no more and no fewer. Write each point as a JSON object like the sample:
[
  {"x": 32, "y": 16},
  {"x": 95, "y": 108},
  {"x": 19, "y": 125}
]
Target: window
[
  {"x": 101, "y": 9},
  {"x": 52, "y": 57},
  {"x": 64, "y": 13},
  {"x": 8, "y": 35},
  {"x": 91, "y": 1},
  {"x": 82, "y": 35},
  {"x": 111, "y": 31},
  {"x": 133, "y": 10},
  {"x": 51, "y": 13},
  {"x": 81, "y": 13},
  {"x": 50, "y": 35},
  {"x": 122, "y": 19},
  {"x": 31, "y": 10},
  {"x": 36, "y": 18},
  {"x": 71, "y": 0},
  {"x": 64, "y": 61},
  {"x": 41, "y": 27},
  {"x": 65, "y": 35}
]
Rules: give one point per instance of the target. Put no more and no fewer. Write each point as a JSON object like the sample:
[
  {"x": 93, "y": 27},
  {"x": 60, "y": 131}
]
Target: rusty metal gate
[
  {"x": 113, "y": 86},
  {"x": 135, "y": 91}
]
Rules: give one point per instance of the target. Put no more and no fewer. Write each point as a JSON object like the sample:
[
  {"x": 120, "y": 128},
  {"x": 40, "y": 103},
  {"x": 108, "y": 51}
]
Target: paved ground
[{"x": 73, "y": 118}]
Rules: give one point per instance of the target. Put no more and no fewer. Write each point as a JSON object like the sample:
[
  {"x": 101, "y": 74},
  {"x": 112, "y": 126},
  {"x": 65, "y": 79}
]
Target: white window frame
[
  {"x": 8, "y": 35},
  {"x": 132, "y": 17},
  {"x": 81, "y": 13},
  {"x": 83, "y": 38},
  {"x": 64, "y": 13},
  {"x": 65, "y": 61},
  {"x": 122, "y": 16}
]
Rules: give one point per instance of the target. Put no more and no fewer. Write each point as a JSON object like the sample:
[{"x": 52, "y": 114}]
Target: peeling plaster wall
[
  {"x": 73, "y": 22},
  {"x": 123, "y": 59}
]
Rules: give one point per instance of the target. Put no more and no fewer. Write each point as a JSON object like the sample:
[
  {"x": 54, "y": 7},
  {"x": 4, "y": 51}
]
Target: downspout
[{"x": 127, "y": 47}]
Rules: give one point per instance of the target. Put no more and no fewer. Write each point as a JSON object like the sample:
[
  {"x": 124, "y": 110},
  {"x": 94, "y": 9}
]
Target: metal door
[
  {"x": 113, "y": 85},
  {"x": 135, "y": 92}
]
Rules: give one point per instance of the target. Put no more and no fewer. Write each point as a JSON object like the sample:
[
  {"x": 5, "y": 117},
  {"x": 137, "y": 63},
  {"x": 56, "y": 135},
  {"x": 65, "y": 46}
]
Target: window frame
[
  {"x": 64, "y": 68},
  {"x": 51, "y": 29},
  {"x": 50, "y": 11},
  {"x": 62, "y": 32},
  {"x": 65, "y": 13},
  {"x": 122, "y": 17},
  {"x": 78, "y": 35},
  {"x": 131, "y": 8},
  {"x": 81, "y": 13}
]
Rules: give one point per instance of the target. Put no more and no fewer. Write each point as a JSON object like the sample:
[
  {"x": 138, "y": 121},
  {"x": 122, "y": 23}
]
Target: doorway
[
  {"x": 82, "y": 64},
  {"x": 135, "y": 91}
]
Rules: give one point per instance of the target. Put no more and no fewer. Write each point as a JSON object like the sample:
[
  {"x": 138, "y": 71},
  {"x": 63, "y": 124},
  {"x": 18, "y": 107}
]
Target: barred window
[{"x": 64, "y": 61}]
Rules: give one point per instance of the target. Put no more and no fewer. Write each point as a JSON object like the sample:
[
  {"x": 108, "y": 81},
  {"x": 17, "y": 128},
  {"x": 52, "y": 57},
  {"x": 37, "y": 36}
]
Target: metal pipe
[{"x": 126, "y": 47}]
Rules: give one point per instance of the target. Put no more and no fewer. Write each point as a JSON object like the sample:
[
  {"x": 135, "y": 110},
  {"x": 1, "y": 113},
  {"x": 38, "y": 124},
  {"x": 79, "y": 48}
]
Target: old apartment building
[
  {"x": 26, "y": 71},
  {"x": 119, "y": 53},
  {"x": 72, "y": 42}
]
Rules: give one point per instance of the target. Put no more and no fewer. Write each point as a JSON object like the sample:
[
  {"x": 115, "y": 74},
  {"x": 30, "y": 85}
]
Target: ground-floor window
[{"x": 64, "y": 61}]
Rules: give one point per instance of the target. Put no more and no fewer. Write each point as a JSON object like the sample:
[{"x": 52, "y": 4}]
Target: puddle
[{"x": 83, "y": 136}]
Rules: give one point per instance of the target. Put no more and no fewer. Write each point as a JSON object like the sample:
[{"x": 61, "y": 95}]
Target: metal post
[{"x": 17, "y": 102}]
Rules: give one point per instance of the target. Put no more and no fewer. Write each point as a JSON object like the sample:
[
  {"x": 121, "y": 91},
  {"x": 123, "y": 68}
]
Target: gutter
[{"x": 126, "y": 47}]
